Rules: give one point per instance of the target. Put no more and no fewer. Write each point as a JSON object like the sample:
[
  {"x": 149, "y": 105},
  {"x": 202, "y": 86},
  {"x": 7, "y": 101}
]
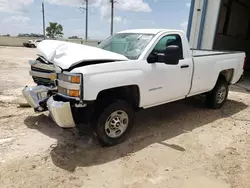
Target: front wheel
[
  {"x": 114, "y": 123},
  {"x": 218, "y": 96}
]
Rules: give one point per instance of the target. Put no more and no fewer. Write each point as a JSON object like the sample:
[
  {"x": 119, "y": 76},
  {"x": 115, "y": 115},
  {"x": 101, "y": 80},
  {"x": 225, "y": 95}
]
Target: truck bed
[
  {"x": 209, "y": 64},
  {"x": 201, "y": 52}
]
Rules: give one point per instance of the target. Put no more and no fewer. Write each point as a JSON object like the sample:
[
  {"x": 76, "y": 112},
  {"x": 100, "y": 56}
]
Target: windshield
[{"x": 130, "y": 45}]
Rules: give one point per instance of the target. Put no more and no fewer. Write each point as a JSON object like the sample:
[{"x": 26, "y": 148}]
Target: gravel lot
[{"x": 181, "y": 144}]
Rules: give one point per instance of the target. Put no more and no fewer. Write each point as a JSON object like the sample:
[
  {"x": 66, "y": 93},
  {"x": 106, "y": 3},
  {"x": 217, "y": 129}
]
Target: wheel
[
  {"x": 218, "y": 96},
  {"x": 32, "y": 46},
  {"x": 114, "y": 123}
]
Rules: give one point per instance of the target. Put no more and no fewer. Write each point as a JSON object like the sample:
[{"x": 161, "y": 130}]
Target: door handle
[{"x": 184, "y": 66}]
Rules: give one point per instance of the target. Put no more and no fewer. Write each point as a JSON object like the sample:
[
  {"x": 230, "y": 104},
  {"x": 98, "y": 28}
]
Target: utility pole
[
  {"x": 112, "y": 17},
  {"x": 44, "y": 35},
  {"x": 86, "y": 8},
  {"x": 86, "y": 22}
]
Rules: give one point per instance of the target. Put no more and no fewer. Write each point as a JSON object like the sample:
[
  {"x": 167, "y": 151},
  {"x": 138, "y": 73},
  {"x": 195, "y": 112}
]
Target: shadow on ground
[
  {"x": 155, "y": 125},
  {"x": 240, "y": 88},
  {"x": 243, "y": 86}
]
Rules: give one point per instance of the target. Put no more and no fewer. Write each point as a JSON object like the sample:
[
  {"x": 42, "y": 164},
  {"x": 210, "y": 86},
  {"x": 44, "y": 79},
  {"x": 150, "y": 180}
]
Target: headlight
[
  {"x": 69, "y": 84},
  {"x": 73, "y": 93},
  {"x": 76, "y": 78}
]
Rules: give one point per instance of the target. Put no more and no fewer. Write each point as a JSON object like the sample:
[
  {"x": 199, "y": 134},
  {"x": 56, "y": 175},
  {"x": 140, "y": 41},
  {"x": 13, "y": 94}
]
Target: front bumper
[
  {"x": 36, "y": 96},
  {"x": 61, "y": 113}
]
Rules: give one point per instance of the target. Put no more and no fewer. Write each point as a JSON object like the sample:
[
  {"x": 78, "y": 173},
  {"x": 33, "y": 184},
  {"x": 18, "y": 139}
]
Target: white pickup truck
[{"x": 131, "y": 70}]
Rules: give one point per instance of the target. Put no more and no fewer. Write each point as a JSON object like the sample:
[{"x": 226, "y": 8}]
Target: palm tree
[{"x": 54, "y": 30}]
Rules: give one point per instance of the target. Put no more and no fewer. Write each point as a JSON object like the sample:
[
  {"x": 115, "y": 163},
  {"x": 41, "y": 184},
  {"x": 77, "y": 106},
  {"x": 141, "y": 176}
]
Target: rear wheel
[
  {"x": 218, "y": 96},
  {"x": 114, "y": 123},
  {"x": 32, "y": 46}
]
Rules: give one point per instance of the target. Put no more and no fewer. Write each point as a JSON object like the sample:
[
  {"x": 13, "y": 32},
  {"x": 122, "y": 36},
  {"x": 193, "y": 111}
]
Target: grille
[
  {"x": 42, "y": 81},
  {"x": 40, "y": 70}
]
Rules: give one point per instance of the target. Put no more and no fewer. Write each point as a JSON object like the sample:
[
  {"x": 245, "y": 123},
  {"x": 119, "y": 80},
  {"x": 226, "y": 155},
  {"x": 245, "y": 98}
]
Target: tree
[{"x": 54, "y": 30}]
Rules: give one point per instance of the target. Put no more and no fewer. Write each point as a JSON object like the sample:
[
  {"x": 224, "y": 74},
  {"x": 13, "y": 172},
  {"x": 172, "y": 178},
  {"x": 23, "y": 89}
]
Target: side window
[{"x": 167, "y": 41}]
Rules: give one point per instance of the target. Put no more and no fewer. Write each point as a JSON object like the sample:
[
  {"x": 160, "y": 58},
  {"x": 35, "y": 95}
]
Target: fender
[{"x": 93, "y": 84}]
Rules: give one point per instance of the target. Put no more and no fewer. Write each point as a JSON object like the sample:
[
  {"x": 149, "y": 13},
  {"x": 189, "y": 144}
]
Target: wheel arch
[
  {"x": 129, "y": 93},
  {"x": 227, "y": 75}
]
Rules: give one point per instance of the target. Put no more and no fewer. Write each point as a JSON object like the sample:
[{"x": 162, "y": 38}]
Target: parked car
[
  {"x": 74, "y": 37},
  {"x": 32, "y": 43},
  {"x": 132, "y": 70}
]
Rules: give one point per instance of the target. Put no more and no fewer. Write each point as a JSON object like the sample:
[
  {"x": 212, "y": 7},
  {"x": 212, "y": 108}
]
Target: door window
[{"x": 167, "y": 41}]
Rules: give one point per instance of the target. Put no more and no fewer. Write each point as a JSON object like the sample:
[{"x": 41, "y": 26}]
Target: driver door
[{"x": 168, "y": 82}]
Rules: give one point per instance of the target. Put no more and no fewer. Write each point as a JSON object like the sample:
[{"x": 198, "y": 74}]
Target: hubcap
[
  {"x": 221, "y": 95},
  {"x": 116, "y": 124}
]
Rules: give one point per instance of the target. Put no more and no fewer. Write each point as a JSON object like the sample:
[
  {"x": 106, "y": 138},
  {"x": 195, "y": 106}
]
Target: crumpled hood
[{"x": 66, "y": 54}]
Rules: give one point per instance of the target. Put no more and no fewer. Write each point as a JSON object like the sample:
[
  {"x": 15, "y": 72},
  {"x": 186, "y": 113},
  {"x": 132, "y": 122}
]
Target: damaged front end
[
  {"x": 61, "y": 112},
  {"x": 42, "y": 72},
  {"x": 37, "y": 96},
  {"x": 43, "y": 75}
]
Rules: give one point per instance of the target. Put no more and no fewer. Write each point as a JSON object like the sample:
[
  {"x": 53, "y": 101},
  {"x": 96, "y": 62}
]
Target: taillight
[{"x": 245, "y": 62}]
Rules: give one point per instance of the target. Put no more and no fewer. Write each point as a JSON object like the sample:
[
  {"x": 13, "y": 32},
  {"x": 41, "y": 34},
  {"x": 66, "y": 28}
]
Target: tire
[
  {"x": 218, "y": 96},
  {"x": 32, "y": 46},
  {"x": 114, "y": 122}
]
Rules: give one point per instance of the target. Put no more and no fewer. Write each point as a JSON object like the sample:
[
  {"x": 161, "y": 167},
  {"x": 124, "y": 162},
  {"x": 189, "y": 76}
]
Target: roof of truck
[{"x": 149, "y": 31}]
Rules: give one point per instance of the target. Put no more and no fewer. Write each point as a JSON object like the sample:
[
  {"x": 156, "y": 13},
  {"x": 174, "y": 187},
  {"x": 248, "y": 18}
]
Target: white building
[{"x": 220, "y": 25}]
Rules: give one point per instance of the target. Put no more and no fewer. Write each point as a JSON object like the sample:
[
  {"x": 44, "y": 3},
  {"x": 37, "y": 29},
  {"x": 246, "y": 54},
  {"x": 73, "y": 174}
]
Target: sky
[{"x": 25, "y": 16}]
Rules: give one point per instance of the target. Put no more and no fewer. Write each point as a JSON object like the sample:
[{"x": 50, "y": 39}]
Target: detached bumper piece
[
  {"x": 36, "y": 97},
  {"x": 61, "y": 113}
]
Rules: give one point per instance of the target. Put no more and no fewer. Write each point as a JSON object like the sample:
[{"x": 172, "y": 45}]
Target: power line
[{"x": 68, "y": 18}]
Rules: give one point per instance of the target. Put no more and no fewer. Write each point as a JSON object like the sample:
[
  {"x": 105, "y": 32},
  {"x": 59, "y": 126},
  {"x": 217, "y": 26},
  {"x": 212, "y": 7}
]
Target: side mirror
[
  {"x": 152, "y": 58},
  {"x": 172, "y": 55}
]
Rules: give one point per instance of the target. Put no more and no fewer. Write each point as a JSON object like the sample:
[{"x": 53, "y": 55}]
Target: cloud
[
  {"x": 67, "y": 2},
  {"x": 125, "y": 5},
  {"x": 14, "y": 5},
  {"x": 188, "y": 4},
  {"x": 147, "y": 21},
  {"x": 119, "y": 20},
  {"x": 184, "y": 26},
  {"x": 104, "y": 5},
  {"x": 20, "y": 20},
  {"x": 133, "y": 5}
]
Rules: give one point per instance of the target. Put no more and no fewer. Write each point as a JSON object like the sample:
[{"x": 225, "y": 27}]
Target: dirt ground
[{"x": 178, "y": 145}]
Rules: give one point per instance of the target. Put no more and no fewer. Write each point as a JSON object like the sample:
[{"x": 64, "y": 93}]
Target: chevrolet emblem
[{"x": 52, "y": 76}]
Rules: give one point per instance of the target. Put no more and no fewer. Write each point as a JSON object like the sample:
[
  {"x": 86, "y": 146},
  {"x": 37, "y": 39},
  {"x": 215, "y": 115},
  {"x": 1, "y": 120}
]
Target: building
[{"x": 220, "y": 25}]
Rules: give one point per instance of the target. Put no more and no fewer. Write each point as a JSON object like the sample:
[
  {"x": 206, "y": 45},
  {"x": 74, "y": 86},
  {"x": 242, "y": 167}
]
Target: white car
[
  {"x": 134, "y": 69},
  {"x": 32, "y": 43}
]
